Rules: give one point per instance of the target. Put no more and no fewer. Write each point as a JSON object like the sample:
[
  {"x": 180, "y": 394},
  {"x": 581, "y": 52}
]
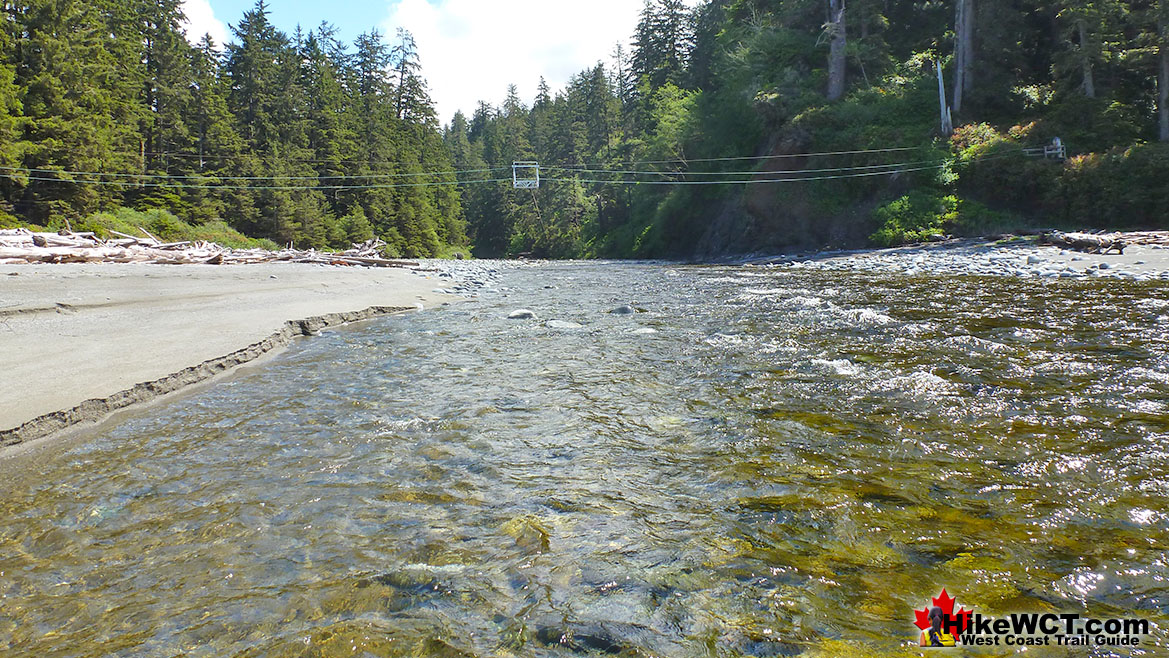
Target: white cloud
[
  {"x": 201, "y": 20},
  {"x": 471, "y": 50}
]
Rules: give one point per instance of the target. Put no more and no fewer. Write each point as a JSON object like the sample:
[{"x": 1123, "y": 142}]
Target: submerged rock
[
  {"x": 522, "y": 314},
  {"x": 528, "y": 533},
  {"x": 591, "y": 637}
]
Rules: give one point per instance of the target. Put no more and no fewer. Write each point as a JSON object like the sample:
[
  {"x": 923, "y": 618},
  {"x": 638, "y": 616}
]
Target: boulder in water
[
  {"x": 590, "y": 637},
  {"x": 528, "y": 533},
  {"x": 522, "y": 314}
]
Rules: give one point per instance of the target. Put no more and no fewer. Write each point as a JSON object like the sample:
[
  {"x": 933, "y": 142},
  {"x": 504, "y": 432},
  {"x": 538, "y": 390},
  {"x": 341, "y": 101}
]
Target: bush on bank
[{"x": 160, "y": 223}]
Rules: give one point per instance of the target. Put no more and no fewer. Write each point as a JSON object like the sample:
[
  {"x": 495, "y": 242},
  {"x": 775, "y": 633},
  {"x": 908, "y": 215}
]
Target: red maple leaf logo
[{"x": 946, "y": 603}]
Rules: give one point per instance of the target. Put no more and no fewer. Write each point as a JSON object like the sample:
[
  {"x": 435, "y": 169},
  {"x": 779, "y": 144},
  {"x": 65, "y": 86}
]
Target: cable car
[{"x": 525, "y": 175}]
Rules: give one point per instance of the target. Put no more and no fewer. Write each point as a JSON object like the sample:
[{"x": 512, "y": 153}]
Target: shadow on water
[{"x": 757, "y": 462}]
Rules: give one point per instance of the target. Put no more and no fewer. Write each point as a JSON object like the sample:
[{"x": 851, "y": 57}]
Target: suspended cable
[
  {"x": 788, "y": 176},
  {"x": 237, "y": 158},
  {"x": 767, "y": 157},
  {"x": 266, "y": 178},
  {"x": 131, "y": 184},
  {"x": 791, "y": 179},
  {"x": 741, "y": 173},
  {"x": 196, "y": 156},
  {"x": 753, "y": 181},
  {"x": 797, "y": 175}
]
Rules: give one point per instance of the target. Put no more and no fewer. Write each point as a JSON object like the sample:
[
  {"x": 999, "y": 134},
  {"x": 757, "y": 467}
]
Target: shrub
[
  {"x": 166, "y": 227},
  {"x": 914, "y": 217}
]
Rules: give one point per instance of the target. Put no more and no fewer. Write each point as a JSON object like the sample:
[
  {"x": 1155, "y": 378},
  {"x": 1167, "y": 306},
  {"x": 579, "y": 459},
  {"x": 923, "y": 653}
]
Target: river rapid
[{"x": 756, "y": 462}]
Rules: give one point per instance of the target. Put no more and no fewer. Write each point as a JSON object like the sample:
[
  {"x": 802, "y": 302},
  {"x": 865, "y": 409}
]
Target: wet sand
[{"x": 78, "y": 339}]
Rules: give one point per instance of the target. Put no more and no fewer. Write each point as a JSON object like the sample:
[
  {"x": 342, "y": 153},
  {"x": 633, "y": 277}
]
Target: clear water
[{"x": 790, "y": 465}]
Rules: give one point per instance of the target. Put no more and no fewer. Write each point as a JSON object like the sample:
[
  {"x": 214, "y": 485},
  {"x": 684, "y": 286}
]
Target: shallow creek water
[{"x": 789, "y": 464}]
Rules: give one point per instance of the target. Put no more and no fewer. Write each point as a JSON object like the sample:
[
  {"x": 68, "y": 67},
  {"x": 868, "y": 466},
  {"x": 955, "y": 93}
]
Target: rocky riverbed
[
  {"x": 1012, "y": 258},
  {"x": 467, "y": 278}
]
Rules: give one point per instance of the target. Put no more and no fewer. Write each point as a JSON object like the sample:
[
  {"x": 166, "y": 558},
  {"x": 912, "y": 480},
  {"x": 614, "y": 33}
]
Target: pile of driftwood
[
  {"x": 1092, "y": 243},
  {"x": 1146, "y": 237},
  {"x": 20, "y": 246}
]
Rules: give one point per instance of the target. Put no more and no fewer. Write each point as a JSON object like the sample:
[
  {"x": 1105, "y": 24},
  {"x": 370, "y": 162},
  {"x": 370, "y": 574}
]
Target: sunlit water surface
[{"x": 790, "y": 464}]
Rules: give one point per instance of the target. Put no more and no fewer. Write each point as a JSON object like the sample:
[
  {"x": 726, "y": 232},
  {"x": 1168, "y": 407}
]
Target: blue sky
[
  {"x": 352, "y": 17},
  {"x": 470, "y": 50}
]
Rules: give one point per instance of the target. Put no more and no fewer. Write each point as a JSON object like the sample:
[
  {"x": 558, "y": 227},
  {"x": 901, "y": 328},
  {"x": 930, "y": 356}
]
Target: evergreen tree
[
  {"x": 217, "y": 146},
  {"x": 74, "y": 119},
  {"x": 10, "y": 123}
]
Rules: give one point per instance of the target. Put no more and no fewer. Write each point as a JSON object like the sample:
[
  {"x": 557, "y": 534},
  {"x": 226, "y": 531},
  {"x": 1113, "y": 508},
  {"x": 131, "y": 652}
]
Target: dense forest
[
  {"x": 105, "y": 107},
  {"x": 736, "y": 126},
  {"x": 703, "y": 91}
]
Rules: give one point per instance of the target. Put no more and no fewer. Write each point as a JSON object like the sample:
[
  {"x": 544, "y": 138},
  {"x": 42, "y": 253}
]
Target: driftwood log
[
  {"x": 1085, "y": 242},
  {"x": 21, "y": 246}
]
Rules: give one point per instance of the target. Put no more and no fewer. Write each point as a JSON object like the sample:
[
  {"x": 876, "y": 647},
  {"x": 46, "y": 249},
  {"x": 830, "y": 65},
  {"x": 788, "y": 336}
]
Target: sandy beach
[{"x": 73, "y": 336}]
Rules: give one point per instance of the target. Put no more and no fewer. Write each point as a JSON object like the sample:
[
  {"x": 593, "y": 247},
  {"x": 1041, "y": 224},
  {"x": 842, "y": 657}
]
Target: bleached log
[
  {"x": 24, "y": 246},
  {"x": 149, "y": 235},
  {"x": 1085, "y": 242}
]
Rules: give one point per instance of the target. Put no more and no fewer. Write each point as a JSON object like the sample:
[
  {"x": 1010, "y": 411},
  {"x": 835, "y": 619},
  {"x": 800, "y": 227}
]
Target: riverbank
[
  {"x": 1017, "y": 257},
  {"x": 82, "y": 341}
]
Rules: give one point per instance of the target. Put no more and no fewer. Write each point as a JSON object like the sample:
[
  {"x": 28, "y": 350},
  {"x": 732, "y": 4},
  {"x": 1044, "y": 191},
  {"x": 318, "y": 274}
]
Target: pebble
[
  {"x": 1018, "y": 260},
  {"x": 467, "y": 278}
]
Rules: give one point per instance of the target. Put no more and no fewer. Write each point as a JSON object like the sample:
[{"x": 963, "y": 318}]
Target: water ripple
[{"x": 790, "y": 464}]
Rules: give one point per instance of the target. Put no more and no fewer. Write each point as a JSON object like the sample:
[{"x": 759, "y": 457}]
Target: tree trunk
[
  {"x": 837, "y": 50},
  {"x": 947, "y": 124},
  {"x": 963, "y": 51},
  {"x": 1163, "y": 81},
  {"x": 1089, "y": 84}
]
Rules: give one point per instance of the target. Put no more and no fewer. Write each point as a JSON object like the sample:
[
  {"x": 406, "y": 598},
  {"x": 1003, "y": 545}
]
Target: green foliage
[
  {"x": 913, "y": 218},
  {"x": 166, "y": 227},
  {"x": 238, "y": 135},
  {"x": 1120, "y": 187},
  {"x": 901, "y": 111},
  {"x": 355, "y": 228},
  {"x": 255, "y": 134},
  {"x": 921, "y": 214},
  {"x": 9, "y": 221},
  {"x": 1127, "y": 186},
  {"x": 1090, "y": 124}
]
